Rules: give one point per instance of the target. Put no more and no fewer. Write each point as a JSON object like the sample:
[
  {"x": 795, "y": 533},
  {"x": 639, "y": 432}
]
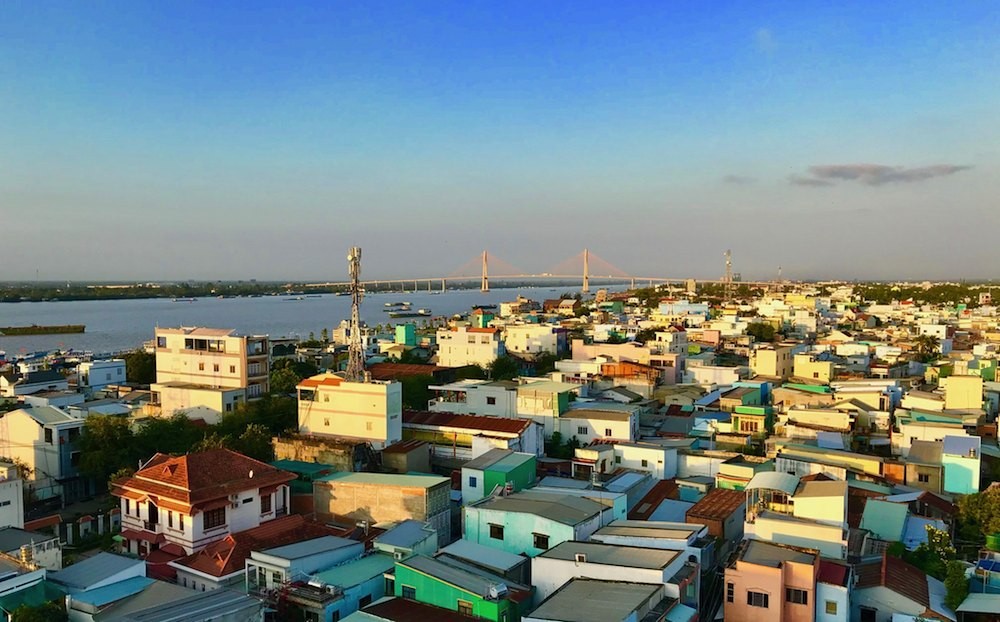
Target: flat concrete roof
[
  {"x": 590, "y": 600},
  {"x": 612, "y": 554}
]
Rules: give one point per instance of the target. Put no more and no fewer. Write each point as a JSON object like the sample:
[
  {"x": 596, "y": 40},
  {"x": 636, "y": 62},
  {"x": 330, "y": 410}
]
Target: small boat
[{"x": 184, "y": 299}]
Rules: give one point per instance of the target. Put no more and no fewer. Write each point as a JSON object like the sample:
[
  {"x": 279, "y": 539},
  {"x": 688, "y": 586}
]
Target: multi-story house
[
  {"x": 534, "y": 339},
  {"x": 207, "y": 372},
  {"x": 14, "y": 384},
  {"x": 771, "y": 582},
  {"x": 475, "y": 397},
  {"x": 460, "y": 346},
  {"x": 498, "y": 468},
  {"x": 330, "y": 405},
  {"x": 99, "y": 374},
  {"x": 46, "y": 439},
  {"x": 11, "y": 496},
  {"x": 193, "y": 500}
]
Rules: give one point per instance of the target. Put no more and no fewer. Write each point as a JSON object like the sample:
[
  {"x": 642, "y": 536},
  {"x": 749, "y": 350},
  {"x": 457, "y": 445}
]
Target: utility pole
[
  {"x": 586, "y": 271},
  {"x": 484, "y": 285},
  {"x": 355, "y": 353}
]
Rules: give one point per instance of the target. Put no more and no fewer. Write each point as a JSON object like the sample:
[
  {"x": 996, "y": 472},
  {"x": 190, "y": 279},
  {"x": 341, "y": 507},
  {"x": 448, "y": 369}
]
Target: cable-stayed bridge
[{"x": 585, "y": 265}]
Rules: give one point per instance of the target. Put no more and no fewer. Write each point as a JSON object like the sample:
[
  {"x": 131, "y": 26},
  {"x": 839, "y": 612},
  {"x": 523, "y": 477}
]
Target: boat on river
[{"x": 35, "y": 329}]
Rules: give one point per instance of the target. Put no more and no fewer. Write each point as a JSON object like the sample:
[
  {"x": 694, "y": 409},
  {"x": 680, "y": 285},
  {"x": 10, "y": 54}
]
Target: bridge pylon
[
  {"x": 586, "y": 271},
  {"x": 484, "y": 285}
]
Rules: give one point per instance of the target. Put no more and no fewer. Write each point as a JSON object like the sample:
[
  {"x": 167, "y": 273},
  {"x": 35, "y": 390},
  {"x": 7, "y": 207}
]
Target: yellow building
[
  {"x": 807, "y": 368},
  {"x": 962, "y": 392},
  {"x": 329, "y": 405},
  {"x": 774, "y": 361},
  {"x": 206, "y": 372}
]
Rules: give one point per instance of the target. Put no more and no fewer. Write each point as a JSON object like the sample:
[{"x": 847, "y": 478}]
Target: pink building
[{"x": 771, "y": 582}]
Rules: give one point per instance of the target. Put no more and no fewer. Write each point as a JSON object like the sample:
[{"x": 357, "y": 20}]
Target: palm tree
[{"x": 927, "y": 347}]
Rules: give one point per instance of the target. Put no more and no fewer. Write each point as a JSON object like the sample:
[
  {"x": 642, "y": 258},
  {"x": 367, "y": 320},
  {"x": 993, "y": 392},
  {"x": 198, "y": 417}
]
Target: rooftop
[
  {"x": 719, "y": 504},
  {"x": 651, "y": 529},
  {"x": 409, "y": 480},
  {"x": 774, "y": 555},
  {"x": 612, "y": 554},
  {"x": 482, "y": 423},
  {"x": 357, "y": 571},
  {"x": 483, "y": 555},
  {"x": 591, "y": 600},
  {"x": 12, "y": 538},
  {"x": 307, "y": 548},
  {"x": 565, "y": 509},
  {"x": 92, "y": 570},
  {"x": 477, "y": 583},
  {"x": 404, "y": 610}
]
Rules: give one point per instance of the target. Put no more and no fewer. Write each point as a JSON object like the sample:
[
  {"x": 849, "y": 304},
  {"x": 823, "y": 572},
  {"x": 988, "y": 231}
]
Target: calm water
[{"x": 114, "y": 325}]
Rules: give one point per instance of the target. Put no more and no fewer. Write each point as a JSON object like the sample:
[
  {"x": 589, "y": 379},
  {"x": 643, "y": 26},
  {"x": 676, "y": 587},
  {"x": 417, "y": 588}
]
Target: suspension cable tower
[
  {"x": 355, "y": 353},
  {"x": 484, "y": 285},
  {"x": 586, "y": 271}
]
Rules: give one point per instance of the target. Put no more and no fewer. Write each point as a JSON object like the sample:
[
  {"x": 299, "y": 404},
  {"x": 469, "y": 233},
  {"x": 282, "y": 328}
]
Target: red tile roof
[
  {"x": 719, "y": 504},
  {"x": 226, "y": 556},
  {"x": 661, "y": 491},
  {"x": 190, "y": 481},
  {"x": 471, "y": 422},
  {"x": 833, "y": 573},
  {"x": 900, "y": 577},
  {"x": 403, "y": 447},
  {"x": 403, "y": 610}
]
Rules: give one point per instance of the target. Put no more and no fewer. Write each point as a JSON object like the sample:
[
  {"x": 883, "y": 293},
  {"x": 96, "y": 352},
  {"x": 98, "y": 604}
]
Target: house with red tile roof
[
  {"x": 184, "y": 503},
  {"x": 890, "y": 585},
  {"x": 223, "y": 562}
]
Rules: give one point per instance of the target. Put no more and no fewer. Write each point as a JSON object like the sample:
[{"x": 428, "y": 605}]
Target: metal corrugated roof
[
  {"x": 565, "y": 509},
  {"x": 476, "y": 583},
  {"x": 358, "y": 571},
  {"x": 482, "y": 555},
  {"x": 592, "y": 600},
  {"x": 116, "y": 591},
  {"x": 385, "y": 479},
  {"x": 310, "y": 547},
  {"x": 93, "y": 570},
  {"x": 612, "y": 554},
  {"x": 774, "y": 480}
]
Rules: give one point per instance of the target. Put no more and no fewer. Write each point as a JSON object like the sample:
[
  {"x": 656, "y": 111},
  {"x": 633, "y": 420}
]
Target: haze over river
[{"x": 115, "y": 325}]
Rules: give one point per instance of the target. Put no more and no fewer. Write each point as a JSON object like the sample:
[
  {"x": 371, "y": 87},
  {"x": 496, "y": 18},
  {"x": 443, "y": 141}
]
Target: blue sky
[{"x": 150, "y": 140}]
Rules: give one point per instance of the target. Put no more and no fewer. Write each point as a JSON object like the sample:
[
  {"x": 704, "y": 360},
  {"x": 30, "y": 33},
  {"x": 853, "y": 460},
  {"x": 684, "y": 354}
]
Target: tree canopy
[{"x": 140, "y": 367}]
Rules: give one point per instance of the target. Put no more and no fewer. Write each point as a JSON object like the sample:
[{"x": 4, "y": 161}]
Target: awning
[
  {"x": 145, "y": 536},
  {"x": 268, "y": 490}
]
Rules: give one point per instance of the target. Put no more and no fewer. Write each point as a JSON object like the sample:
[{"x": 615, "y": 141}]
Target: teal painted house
[
  {"x": 960, "y": 457},
  {"x": 406, "y": 334},
  {"x": 497, "y": 468},
  {"x": 450, "y": 584},
  {"x": 531, "y": 522}
]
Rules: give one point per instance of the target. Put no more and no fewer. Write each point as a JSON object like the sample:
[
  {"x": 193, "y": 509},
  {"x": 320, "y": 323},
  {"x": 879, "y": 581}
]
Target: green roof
[
  {"x": 38, "y": 594},
  {"x": 300, "y": 467},
  {"x": 810, "y": 388},
  {"x": 511, "y": 462},
  {"x": 410, "y": 480},
  {"x": 885, "y": 519}
]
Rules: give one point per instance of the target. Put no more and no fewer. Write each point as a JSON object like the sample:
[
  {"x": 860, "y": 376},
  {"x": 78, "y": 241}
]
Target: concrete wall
[{"x": 362, "y": 410}]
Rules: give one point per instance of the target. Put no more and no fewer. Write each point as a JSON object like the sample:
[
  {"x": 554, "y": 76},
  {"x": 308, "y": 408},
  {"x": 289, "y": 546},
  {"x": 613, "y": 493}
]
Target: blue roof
[
  {"x": 406, "y": 534},
  {"x": 114, "y": 592},
  {"x": 310, "y": 547},
  {"x": 357, "y": 571},
  {"x": 93, "y": 570},
  {"x": 966, "y": 446}
]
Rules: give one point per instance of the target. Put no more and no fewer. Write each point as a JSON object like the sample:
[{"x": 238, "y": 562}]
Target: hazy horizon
[{"x": 235, "y": 141}]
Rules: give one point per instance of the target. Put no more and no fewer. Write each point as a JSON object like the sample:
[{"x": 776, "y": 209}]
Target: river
[{"x": 116, "y": 325}]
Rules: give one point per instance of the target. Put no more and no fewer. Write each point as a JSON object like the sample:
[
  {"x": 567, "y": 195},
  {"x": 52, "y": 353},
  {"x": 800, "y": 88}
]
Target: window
[
  {"x": 831, "y": 607},
  {"x": 796, "y": 597},
  {"x": 491, "y": 401},
  {"x": 247, "y": 500},
  {"x": 923, "y": 478},
  {"x": 390, "y": 585},
  {"x": 868, "y": 614},
  {"x": 541, "y": 541},
  {"x": 364, "y": 601},
  {"x": 409, "y": 592},
  {"x": 815, "y": 374},
  {"x": 215, "y": 367},
  {"x": 161, "y": 342},
  {"x": 757, "y": 599},
  {"x": 128, "y": 506},
  {"x": 326, "y": 421},
  {"x": 496, "y": 531},
  {"x": 465, "y": 607},
  {"x": 368, "y": 426},
  {"x": 214, "y": 518},
  {"x": 618, "y": 459},
  {"x": 581, "y": 430},
  {"x": 730, "y": 593},
  {"x": 74, "y": 458},
  {"x": 607, "y": 431},
  {"x": 180, "y": 521},
  {"x": 265, "y": 504},
  {"x": 645, "y": 463},
  {"x": 170, "y": 519},
  {"x": 473, "y": 481},
  {"x": 48, "y": 436},
  {"x": 232, "y": 369},
  {"x": 229, "y": 408},
  {"x": 201, "y": 367}
]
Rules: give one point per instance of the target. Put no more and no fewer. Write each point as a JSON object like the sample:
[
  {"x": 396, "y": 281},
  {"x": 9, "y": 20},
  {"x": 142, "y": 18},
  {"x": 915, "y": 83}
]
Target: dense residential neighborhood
[{"x": 788, "y": 452}]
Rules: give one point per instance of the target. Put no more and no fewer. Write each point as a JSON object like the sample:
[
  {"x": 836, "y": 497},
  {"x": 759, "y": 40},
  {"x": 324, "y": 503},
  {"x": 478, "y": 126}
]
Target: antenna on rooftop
[{"x": 355, "y": 351}]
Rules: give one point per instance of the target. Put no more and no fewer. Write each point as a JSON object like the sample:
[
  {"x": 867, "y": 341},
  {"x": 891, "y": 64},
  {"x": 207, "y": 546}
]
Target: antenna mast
[
  {"x": 729, "y": 274},
  {"x": 355, "y": 352}
]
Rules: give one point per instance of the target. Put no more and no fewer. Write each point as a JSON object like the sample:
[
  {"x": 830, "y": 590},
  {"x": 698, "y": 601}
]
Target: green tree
[
  {"x": 956, "y": 585},
  {"x": 647, "y": 334},
  {"x": 504, "y": 368},
  {"x": 106, "y": 445},
  {"x": 175, "y": 435},
  {"x": 325, "y": 335},
  {"x": 140, "y": 367},
  {"x": 415, "y": 391},
  {"x": 46, "y": 612},
  {"x": 615, "y": 338},
  {"x": 283, "y": 381},
  {"x": 119, "y": 474},
  {"x": 761, "y": 331},
  {"x": 979, "y": 514}
]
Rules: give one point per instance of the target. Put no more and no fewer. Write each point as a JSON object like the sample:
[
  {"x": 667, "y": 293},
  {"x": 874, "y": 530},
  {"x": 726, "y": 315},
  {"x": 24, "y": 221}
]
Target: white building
[
  {"x": 99, "y": 374},
  {"x": 11, "y": 496},
  {"x": 475, "y": 397},
  {"x": 46, "y": 439},
  {"x": 460, "y": 346},
  {"x": 532, "y": 339}
]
